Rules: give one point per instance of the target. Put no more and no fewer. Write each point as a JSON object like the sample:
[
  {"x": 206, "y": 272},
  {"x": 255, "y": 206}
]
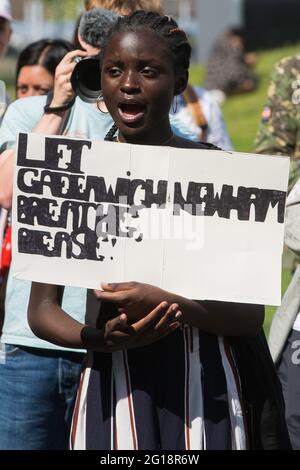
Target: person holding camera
[
  {"x": 38, "y": 382},
  {"x": 38, "y": 379},
  {"x": 35, "y": 71}
]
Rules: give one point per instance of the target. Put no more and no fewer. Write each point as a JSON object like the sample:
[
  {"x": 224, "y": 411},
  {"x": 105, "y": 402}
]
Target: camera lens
[{"x": 86, "y": 80}]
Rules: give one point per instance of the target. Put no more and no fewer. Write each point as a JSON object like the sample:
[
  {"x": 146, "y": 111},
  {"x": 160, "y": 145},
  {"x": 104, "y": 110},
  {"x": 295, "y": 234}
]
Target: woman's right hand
[
  {"x": 160, "y": 322},
  {"x": 63, "y": 92}
]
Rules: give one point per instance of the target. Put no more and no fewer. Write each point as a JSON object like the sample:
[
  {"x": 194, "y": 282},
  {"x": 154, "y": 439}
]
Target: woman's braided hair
[
  {"x": 111, "y": 133},
  {"x": 166, "y": 29}
]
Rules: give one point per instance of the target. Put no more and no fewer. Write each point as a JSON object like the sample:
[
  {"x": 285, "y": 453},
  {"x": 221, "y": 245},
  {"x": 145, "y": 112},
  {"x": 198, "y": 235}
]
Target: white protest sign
[{"x": 201, "y": 223}]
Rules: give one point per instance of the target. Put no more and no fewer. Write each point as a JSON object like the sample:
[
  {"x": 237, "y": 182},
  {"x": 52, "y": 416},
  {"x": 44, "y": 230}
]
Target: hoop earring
[
  {"x": 175, "y": 104},
  {"x": 98, "y": 101}
]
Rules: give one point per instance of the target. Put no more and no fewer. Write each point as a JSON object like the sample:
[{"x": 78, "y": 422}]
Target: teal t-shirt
[{"x": 84, "y": 122}]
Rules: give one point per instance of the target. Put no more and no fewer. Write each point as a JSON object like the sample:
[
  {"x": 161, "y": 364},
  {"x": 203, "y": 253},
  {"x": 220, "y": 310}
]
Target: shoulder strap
[{"x": 193, "y": 103}]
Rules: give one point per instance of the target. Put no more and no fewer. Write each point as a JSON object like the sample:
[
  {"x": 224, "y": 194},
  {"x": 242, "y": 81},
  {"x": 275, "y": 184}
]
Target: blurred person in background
[
  {"x": 5, "y": 34},
  {"x": 37, "y": 387},
  {"x": 284, "y": 336},
  {"x": 34, "y": 76},
  {"x": 279, "y": 134},
  {"x": 198, "y": 110},
  {"x": 279, "y": 130},
  {"x": 229, "y": 66},
  {"x": 36, "y": 66},
  {"x": 5, "y": 26}
]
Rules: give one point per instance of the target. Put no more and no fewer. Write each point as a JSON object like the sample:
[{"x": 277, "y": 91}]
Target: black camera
[{"x": 86, "y": 78}]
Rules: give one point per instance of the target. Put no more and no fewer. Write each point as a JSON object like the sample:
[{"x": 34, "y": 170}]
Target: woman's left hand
[{"x": 133, "y": 298}]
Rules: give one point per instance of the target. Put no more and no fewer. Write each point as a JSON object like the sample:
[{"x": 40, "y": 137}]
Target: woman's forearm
[
  {"x": 220, "y": 318},
  {"x": 223, "y": 318},
  {"x": 49, "y": 321},
  {"x": 50, "y": 124}
]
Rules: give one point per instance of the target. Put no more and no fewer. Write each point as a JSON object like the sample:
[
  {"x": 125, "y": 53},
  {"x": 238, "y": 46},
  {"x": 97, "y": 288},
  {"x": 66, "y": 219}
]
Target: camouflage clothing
[{"x": 279, "y": 132}]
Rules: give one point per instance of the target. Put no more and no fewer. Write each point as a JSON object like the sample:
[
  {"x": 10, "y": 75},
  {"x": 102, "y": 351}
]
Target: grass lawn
[{"x": 242, "y": 116}]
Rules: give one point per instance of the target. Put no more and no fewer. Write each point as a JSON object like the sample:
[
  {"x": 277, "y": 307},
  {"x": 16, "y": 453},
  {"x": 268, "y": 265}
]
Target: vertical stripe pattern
[
  {"x": 125, "y": 420},
  {"x": 235, "y": 408},
  {"x": 176, "y": 394},
  {"x": 193, "y": 391},
  {"x": 78, "y": 427}
]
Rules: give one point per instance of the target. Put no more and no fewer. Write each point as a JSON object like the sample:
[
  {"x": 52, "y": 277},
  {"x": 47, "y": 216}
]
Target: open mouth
[{"x": 131, "y": 112}]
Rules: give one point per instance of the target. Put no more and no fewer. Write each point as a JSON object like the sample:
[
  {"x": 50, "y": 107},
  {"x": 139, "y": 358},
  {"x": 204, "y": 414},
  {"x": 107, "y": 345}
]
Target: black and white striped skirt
[{"x": 180, "y": 393}]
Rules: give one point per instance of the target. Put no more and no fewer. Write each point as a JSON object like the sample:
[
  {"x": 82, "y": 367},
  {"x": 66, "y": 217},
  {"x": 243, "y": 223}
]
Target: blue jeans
[{"x": 37, "y": 396}]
